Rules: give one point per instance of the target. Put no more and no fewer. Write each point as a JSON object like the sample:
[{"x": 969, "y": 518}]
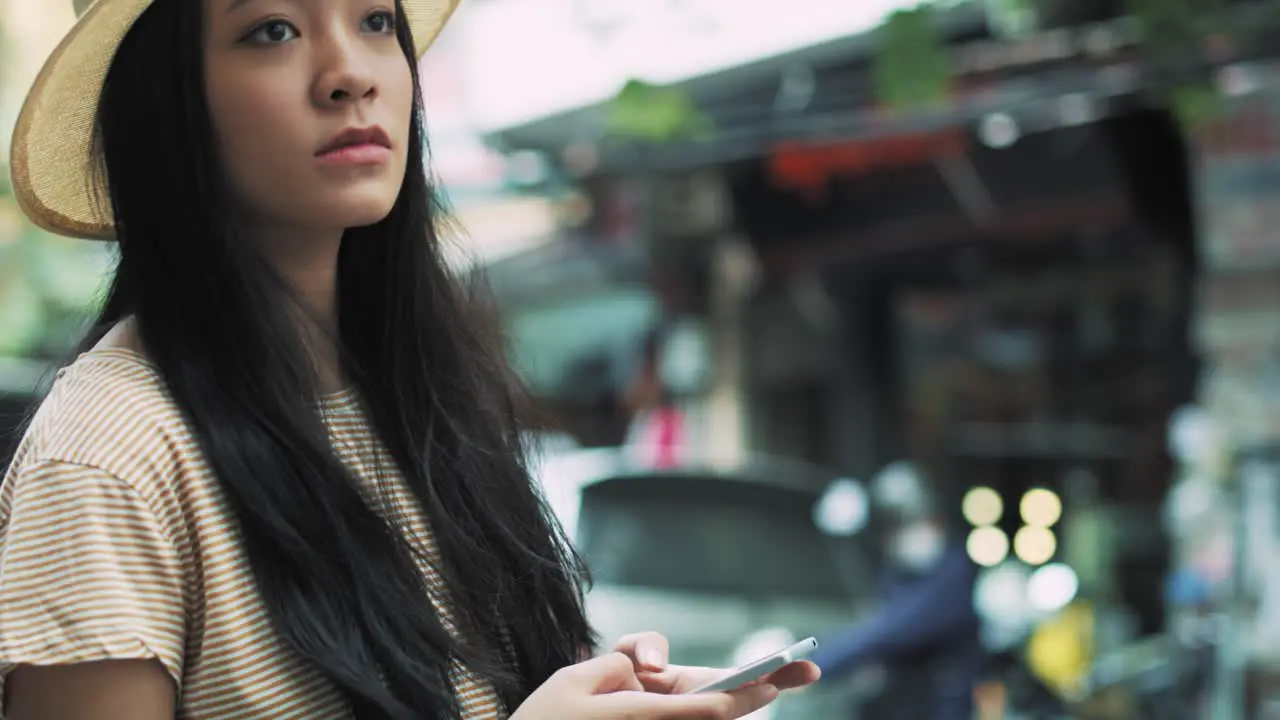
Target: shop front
[{"x": 1020, "y": 329}]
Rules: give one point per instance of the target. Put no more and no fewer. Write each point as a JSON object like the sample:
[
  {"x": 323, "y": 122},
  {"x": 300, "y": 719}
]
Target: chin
[
  {"x": 367, "y": 217},
  {"x": 349, "y": 213}
]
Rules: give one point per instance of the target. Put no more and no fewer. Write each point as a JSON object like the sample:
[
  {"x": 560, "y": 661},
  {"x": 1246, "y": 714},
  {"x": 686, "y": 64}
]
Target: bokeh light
[
  {"x": 1035, "y": 545},
  {"x": 1041, "y": 508},
  {"x": 982, "y": 506},
  {"x": 988, "y": 546}
]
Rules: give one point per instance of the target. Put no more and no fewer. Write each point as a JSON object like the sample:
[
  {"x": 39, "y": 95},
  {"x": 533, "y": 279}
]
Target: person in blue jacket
[{"x": 925, "y": 636}]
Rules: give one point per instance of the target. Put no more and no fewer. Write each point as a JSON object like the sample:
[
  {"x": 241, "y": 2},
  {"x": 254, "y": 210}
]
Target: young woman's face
[{"x": 311, "y": 103}]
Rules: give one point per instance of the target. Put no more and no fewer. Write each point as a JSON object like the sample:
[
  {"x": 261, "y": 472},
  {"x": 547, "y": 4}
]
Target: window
[{"x": 707, "y": 534}]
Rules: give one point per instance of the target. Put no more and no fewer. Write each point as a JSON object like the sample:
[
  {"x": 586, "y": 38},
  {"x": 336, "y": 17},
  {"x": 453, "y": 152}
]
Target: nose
[{"x": 343, "y": 76}]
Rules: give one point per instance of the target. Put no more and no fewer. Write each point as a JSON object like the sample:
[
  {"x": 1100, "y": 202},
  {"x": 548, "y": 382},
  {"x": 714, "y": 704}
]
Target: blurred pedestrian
[
  {"x": 284, "y": 476},
  {"x": 925, "y": 637},
  {"x": 656, "y": 433}
]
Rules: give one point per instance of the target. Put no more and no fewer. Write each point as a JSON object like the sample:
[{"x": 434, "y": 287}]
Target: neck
[{"x": 308, "y": 262}]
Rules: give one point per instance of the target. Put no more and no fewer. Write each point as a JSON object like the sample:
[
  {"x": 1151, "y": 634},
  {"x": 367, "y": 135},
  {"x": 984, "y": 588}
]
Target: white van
[{"x": 726, "y": 562}]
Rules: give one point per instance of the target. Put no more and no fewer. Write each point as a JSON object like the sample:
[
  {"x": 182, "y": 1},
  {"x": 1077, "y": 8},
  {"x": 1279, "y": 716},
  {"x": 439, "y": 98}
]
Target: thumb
[{"x": 701, "y": 706}]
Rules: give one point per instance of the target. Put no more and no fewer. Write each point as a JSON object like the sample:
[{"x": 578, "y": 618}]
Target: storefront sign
[{"x": 808, "y": 167}]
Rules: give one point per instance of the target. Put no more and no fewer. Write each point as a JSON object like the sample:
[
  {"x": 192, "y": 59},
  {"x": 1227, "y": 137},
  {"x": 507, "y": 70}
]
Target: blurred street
[{"x": 949, "y": 335}]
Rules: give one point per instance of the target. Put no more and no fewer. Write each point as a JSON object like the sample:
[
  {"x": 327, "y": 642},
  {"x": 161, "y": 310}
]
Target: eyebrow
[{"x": 237, "y": 4}]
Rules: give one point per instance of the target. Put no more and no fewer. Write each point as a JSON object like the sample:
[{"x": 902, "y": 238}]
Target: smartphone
[{"x": 751, "y": 672}]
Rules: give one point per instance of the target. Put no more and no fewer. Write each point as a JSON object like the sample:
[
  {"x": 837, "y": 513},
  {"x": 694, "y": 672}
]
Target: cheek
[
  {"x": 398, "y": 91},
  {"x": 254, "y": 129}
]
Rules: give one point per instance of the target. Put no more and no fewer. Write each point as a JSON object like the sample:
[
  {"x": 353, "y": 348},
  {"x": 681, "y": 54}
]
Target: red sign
[{"x": 809, "y": 167}]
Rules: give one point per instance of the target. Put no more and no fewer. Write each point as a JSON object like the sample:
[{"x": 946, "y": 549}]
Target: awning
[
  {"x": 578, "y": 53},
  {"x": 1053, "y": 79},
  {"x": 737, "y": 94}
]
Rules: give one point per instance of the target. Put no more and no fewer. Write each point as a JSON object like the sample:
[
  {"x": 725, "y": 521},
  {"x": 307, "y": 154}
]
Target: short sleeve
[{"x": 86, "y": 572}]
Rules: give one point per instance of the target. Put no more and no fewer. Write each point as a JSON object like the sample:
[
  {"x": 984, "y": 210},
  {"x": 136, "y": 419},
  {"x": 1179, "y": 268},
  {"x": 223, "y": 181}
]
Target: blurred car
[{"x": 727, "y": 562}]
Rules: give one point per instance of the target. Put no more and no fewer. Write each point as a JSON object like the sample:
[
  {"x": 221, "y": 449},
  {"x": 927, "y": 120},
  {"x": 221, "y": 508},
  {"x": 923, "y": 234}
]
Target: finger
[
  {"x": 664, "y": 682},
  {"x": 750, "y": 699},
  {"x": 610, "y": 673},
  {"x": 795, "y": 675},
  {"x": 650, "y": 650},
  {"x": 681, "y": 678},
  {"x": 708, "y": 706}
]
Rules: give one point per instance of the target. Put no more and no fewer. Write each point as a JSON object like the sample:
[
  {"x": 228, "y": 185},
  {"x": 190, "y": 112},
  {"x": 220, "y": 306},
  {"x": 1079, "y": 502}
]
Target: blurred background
[{"x": 948, "y": 332}]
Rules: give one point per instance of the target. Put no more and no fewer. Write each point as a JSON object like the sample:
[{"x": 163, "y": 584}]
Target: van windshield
[{"x": 706, "y": 534}]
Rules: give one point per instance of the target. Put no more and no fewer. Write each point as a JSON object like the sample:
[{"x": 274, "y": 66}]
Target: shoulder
[
  {"x": 96, "y": 548},
  {"x": 110, "y": 410}
]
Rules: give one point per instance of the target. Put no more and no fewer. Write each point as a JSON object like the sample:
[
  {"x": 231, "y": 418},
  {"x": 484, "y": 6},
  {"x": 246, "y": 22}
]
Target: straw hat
[{"x": 51, "y": 143}]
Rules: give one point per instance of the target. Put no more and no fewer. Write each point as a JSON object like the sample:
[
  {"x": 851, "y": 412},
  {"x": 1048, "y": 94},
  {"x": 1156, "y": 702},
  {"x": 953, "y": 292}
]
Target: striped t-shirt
[{"x": 116, "y": 542}]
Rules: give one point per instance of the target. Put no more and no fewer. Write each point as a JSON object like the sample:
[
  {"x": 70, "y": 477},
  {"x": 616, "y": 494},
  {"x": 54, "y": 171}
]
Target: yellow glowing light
[
  {"x": 982, "y": 506},
  {"x": 988, "y": 546},
  {"x": 1041, "y": 508},
  {"x": 1035, "y": 545}
]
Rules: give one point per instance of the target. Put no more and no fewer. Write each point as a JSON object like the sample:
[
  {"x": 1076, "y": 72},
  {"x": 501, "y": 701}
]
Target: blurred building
[
  {"x": 1018, "y": 290},
  {"x": 648, "y": 241}
]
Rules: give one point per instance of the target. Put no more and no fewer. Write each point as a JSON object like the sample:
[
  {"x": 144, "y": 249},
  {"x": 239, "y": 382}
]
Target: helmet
[
  {"x": 900, "y": 492},
  {"x": 912, "y": 535}
]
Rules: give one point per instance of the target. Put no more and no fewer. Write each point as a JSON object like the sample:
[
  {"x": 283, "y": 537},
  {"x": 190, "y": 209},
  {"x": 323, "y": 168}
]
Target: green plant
[
  {"x": 642, "y": 111},
  {"x": 1169, "y": 29},
  {"x": 911, "y": 68},
  {"x": 1196, "y": 105},
  {"x": 911, "y": 65}
]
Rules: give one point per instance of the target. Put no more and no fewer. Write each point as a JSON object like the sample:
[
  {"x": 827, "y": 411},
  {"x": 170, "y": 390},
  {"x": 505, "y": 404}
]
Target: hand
[
  {"x": 649, "y": 651},
  {"x": 607, "y": 688}
]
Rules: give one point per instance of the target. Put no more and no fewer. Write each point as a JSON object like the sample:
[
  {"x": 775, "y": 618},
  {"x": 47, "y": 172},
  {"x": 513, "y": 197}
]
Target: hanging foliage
[
  {"x": 654, "y": 113},
  {"x": 912, "y": 70},
  {"x": 1169, "y": 29},
  {"x": 912, "y": 66},
  {"x": 1196, "y": 105}
]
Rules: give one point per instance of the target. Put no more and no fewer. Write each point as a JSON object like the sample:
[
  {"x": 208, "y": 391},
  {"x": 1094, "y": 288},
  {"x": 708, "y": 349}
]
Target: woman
[{"x": 283, "y": 479}]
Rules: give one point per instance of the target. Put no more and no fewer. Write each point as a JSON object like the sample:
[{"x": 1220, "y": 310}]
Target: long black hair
[{"x": 338, "y": 580}]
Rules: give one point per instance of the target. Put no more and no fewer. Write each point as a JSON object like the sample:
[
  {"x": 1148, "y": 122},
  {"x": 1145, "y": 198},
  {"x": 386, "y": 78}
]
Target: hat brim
[{"x": 50, "y": 155}]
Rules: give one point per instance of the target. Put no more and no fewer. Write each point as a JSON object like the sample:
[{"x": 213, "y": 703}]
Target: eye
[
  {"x": 382, "y": 22},
  {"x": 273, "y": 32}
]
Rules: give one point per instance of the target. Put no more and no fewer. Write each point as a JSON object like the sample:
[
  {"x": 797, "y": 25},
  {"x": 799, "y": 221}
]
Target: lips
[{"x": 356, "y": 137}]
